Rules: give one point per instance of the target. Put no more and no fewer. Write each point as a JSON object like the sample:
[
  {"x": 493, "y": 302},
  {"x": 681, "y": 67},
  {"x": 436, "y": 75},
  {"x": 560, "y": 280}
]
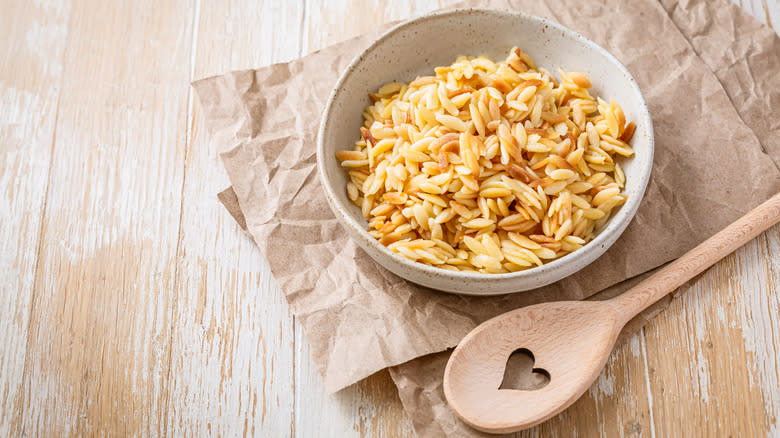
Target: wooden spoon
[{"x": 569, "y": 340}]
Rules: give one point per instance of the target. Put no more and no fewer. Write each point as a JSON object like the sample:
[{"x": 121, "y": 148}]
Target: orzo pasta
[{"x": 489, "y": 167}]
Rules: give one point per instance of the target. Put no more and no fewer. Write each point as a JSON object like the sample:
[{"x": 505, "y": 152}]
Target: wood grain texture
[
  {"x": 232, "y": 335},
  {"x": 32, "y": 43},
  {"x": 98, "y": 347},
  {"x": 131, "y": 304},
  {"x": 368, "y": 408},
  {"x": 714, "y": 354}
]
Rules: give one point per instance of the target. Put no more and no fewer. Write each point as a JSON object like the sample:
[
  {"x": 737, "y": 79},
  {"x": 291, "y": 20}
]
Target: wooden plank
[
  {"x": 97, "y": 358},
  {"x": 370, "y": 407},
  {"x": 32, "y": 42},
  {"x": 714, "y": 354},
  {"x": 328, "y": 22},
  {"x": 242, "y": 34},
  {"x": 232, "y": 361}
]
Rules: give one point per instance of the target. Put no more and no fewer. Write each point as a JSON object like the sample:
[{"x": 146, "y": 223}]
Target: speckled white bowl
[{"x": 413, "y": 49}]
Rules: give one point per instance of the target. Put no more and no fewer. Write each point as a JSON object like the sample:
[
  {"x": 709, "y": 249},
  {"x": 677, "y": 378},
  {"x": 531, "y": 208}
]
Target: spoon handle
[{"x": 695, "y": 261}]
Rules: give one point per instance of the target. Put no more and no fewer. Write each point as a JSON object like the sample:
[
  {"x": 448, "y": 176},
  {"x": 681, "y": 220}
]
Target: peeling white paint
[
  {"x": 39, "y": 38},
  {"x": 27, "y": 112},
  {"x": 647, "y": 382},
  {"x": 604, "y": 385},
  {"x": 18, "y": 108},
  {"x": 634, "y": 345},
  {"x": 759, "y": 320},
  {"x": 703, "y": 377}
]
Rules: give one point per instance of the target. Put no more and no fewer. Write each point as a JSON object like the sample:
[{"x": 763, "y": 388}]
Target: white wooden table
[{"x": 131, "y": 303}]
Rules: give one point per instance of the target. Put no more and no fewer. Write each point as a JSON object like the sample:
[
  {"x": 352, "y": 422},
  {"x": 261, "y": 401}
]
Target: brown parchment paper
[
  {"x": 709, "y": 169},
  {"x": 744, "y": 55}
]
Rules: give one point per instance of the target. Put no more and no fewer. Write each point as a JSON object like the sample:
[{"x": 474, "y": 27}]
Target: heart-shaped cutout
[{"x": 521, "y": 374}]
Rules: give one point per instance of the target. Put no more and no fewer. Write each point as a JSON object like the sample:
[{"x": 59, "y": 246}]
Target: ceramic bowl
[{"x": 413, "y": 49}]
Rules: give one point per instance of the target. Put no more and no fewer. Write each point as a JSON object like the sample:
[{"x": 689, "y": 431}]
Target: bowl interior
[{"x": 414, "y": 48}]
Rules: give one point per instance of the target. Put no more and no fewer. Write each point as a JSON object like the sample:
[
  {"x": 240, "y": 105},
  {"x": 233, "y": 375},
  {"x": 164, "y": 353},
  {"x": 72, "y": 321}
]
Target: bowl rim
[{"x": 624, "y": 215}]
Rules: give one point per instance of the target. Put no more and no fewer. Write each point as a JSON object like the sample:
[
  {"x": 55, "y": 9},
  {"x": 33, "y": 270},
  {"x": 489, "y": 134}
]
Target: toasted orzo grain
[{"x": 488, "y": 167}]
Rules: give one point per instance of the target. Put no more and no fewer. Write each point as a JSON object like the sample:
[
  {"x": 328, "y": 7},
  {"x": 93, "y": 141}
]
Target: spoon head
[{"x": 569, "y": 340}]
